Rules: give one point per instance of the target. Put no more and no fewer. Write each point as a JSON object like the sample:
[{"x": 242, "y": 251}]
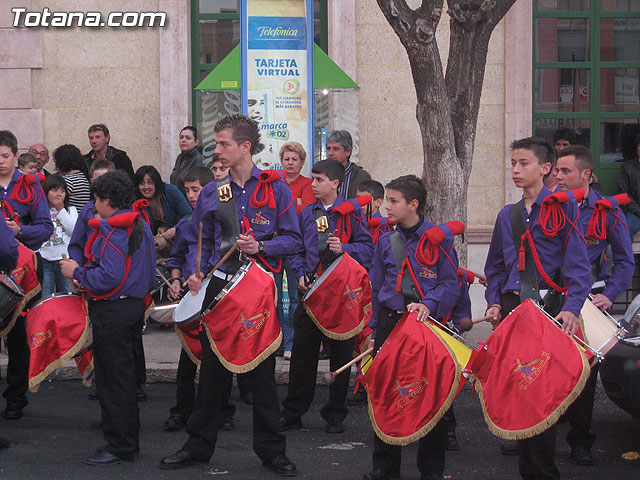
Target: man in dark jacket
[
  {"x": 339, "y": 147},
  {"x": 629, "y": 183},
  {"x": 99, "y": 139}
]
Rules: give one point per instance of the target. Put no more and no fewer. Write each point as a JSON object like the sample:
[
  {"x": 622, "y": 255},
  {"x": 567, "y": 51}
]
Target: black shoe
[
  {"x": 141, "y": 396},
  {"x": 4, "y": 443},
  {"x": 359, "y": 398},
  {"x": 13, "y": 412},
  {"x": 452, "y": 442},
  {"x": 581, "y": 455},
  {"x": 227, "y": 424},
  {"x": 285, "y": 424},
  {"x": 97, "y": 425},
  {"x": 174, "y": 422},
  {"x": 431, "y": 476},
  {"x": 281, "y": 465},
  {"x": 180, "y": 459},
  {"x": 510, "y": 449},
  {"x": 380, "y": 474},
  {"x": 334, "y": 427},
  {"x": 247, "y": 398},
  {"x": 104, "y": 458}
]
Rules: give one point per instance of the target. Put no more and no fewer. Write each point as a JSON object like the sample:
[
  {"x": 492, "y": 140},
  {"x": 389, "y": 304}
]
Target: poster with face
[{"x": 277, "y": 75}]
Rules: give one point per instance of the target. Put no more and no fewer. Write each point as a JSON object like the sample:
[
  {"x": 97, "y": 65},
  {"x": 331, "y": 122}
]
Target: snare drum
[
  {"x": 10, "y": 297},
  {"x": 190, "y": 307},
  {"x": 600, "y": 331}
]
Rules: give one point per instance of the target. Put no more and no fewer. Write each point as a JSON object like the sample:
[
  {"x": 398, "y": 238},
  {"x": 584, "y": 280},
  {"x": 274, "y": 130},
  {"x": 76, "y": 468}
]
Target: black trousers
[
  {"x": 115, "y": 331},
  {"x": 215, "y": 382},
  {"x": 304, "y": 365},
  {"x": 537, "y": 454},
  {"x": 138, "y": 354},
  {"x": 185, "y": 387},
  {"x": 580, "y": 414},
  {"x": 18, "y": 353},
  {"x": 431, "y": 447}
]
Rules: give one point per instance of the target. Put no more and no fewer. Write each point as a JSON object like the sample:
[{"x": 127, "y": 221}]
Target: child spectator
[
  {"x": 64, "y": 219},
  {"x": 27, "y": 163}
]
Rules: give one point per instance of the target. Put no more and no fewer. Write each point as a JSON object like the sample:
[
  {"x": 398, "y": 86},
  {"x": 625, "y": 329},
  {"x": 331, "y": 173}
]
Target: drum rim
[
  {"x": 323, "y": 277},
  {"x": 192, "y": 317},
  {"x": 12, "y": 283}
]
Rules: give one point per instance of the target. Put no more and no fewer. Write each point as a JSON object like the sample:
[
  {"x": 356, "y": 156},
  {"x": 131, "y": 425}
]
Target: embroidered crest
[
  {"x": 354, "y": 297},
  {"x": 408, "y": 393},
  {"x": 37, "y": 339},
  {"x": 252, "y": 325},
  {"x": 426, "y": 273},
  {"x": 260, "y": 219},
  {"x": 532, "y": 370},
  {"x": 224, "y": 193},
  {"x": 322, "y": 223}
]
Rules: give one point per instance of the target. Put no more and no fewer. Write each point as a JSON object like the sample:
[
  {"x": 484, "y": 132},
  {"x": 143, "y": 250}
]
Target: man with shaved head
[{"x": 41, "y": 153}]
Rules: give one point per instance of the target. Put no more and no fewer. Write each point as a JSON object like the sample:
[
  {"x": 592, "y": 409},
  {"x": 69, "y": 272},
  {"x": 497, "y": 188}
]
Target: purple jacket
[
  {"x": 34, "y": 217},
  {"x": 618, "y": 238},
  {"x": 81, "y": 233},
  {"x": 501, "y": 267},
  {"x": 107, "y": 269},
  {"x": 264, "y": 221},
  {"x": 360, "y": 245},
  {"x": 439, "y": 282},
  {"x": 180, "y": 247},
  {"x": 8, "y": 248}
]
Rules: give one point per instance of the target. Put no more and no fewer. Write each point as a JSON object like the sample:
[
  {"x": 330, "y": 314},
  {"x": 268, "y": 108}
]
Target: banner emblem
[
  {"x": 354, "y": 297},
  {"x": 409, "y": 394},
  {"x": 252, "y": 324},
  {"x": 531, "y": 370},
  {"x": 224, "y": 193},
  {"x": 322, "y": 223}
]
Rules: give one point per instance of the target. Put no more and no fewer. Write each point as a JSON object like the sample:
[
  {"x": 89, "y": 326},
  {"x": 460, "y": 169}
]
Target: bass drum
[{"x": 620, "y": 369}]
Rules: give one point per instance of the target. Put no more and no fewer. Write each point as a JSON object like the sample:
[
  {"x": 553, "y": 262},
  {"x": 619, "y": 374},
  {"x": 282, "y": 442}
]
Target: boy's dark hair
[
  {"x": 68, "y": 157},
  {"x": 583, "y": 156},
  {"x": 539, "y": 146},
  {"x": 116, "y": 187},
  {"x": 25, "y": 158},
  {"x": 8, "y": 139},
  {"x": 56, "y": 181},
  {"x": 155, "y": 178},
  {"x": 101, "y": 164},
  {"x": 411, "y": 188},
  {"x": 243, "y": 129},
  {"x": 373, "y": 188},
  {"x": 199, "y": 173},
  {"x": 333, "y": 169},
  {"x": 193, "y": 130},
  {"x": 565, "y": 134},
  {"x": 99, "y": 127}
]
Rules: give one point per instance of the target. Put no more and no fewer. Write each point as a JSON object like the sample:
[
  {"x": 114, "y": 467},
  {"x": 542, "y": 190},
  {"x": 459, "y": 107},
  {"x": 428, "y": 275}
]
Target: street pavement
[{"x": 54, "y": 437}]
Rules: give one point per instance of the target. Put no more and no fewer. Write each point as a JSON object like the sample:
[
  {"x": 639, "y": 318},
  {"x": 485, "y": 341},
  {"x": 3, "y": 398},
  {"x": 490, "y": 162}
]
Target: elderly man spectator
[
  {"x": 41, "y": 153},
  {"x": 99, "y": 139},
  {"x": 339, "y": 147}
]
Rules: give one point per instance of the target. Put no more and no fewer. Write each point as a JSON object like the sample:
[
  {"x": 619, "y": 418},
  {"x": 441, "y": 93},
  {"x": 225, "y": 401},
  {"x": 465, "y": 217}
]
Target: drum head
[
  {"x": 323, "y": 277},
  {"x": 190, "y": 306},
  {"x": 8, "y": 284}
]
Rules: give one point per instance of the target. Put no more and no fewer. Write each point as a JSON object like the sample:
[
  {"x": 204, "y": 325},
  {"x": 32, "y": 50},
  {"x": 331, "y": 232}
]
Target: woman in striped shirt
[{"x": 69, "y": 163}]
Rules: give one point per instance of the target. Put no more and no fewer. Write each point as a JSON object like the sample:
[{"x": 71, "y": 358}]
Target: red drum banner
[
  {"x": 527, "y": 374},
  {"x": 57, "y": 328},
  {"x": 411, "y": 382},
  {"x": 189, "y": 336},
  {"x": 339, "y": 301},
  {"x": 243, "y": 327},
  {"x": 25, "y": 275}
]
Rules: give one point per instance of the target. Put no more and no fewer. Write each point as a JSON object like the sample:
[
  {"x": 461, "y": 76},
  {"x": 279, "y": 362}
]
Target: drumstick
[
  {"x": 330, "y": 377},
  {"x": 224, "y": 258},
  {"x": 199, "y": 251},
  {"x": 467, "y": 324},
  {"x": 164, "y": 279},
  {"x": 74, "y": 289}
]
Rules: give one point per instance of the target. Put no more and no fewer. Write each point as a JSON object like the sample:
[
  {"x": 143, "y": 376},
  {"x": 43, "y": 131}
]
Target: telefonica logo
[{"x": 277, "y": 32}]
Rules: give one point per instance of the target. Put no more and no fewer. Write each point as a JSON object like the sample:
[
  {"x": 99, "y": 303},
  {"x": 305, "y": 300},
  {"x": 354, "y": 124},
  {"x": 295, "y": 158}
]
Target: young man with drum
[
  {"x": 524, "y": 231},
  {"x": 26, "y": 210},
  {"x": 8, "y": 261},
  {"x": 603, "y": 224},
  {"x": 262, "y": 201},
  {"x": 120, "y": 271},
  {"x": 427, "y": 287},
  {"x": 319, "y": 249}
]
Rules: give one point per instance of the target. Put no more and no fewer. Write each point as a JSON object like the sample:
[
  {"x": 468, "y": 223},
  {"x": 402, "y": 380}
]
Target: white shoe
[{"x": 287, "y": 355}]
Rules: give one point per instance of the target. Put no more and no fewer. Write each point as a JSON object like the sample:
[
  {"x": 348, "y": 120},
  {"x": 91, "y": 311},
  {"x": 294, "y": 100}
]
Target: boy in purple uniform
[
  {"x": 120, "y": 272},
  {"x": 508, "y": 286},
  {"x": 26, "y": 210},
  {"x": 263, "y": 202},
  {"x": 320, "y": 245},
  {"x": 574, "y": 168},
  {"x": 434, "y": 295}
]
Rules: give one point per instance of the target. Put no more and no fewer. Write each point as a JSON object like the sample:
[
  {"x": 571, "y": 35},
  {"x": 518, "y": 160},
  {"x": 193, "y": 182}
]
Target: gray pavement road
[{"x": 54, "y": 438}]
